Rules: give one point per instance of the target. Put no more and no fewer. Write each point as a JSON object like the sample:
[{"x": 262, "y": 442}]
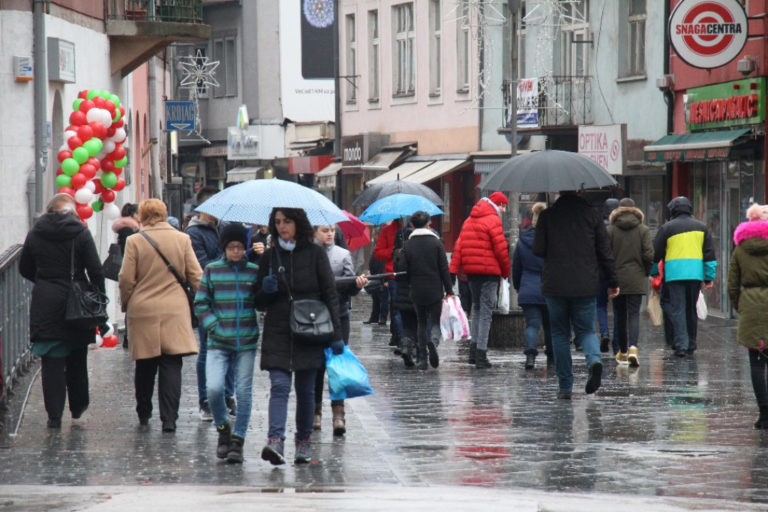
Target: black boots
[
  {"x": 530, "y": 361},
  {"x": 482, "y": 360},
  {"x": 421, "y": 357},
  {"x": 225, "y": 438},
  {"x": 472, "y": 353},
  {"x": 235, "y": 453},
  {"x": 408, "y": 351}
]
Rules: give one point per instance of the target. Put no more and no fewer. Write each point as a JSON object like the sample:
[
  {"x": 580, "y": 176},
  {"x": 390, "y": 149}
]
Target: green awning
[{"x": 692, "y": 147}]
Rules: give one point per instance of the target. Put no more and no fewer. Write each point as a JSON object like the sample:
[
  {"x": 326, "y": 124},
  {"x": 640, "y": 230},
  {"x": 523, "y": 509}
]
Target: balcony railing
[
  {"x": 178, "y": 11},
  {"x": 15, "y": 295},
  {"x": 563, "y": 101}
]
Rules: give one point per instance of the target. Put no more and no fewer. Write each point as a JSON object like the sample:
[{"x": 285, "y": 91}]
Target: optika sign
[{"x": 708, "y": 33}]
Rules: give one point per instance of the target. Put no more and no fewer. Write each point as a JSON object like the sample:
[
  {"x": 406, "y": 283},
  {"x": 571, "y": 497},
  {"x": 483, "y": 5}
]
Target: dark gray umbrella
[
  {"x": 547, "y": 171},
  {"x": 376, "y": 192}
]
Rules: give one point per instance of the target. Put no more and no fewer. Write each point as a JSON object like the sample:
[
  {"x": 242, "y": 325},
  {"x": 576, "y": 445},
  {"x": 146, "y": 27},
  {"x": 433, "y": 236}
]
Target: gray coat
[{"x": 632, "y": 248}]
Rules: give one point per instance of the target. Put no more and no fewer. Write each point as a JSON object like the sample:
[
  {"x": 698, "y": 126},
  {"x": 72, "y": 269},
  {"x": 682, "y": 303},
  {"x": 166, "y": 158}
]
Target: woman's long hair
[{"x": 304, "y": 231}]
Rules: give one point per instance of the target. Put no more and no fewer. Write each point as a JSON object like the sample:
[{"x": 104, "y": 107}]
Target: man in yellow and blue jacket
[{"x": 685, "y": 246}]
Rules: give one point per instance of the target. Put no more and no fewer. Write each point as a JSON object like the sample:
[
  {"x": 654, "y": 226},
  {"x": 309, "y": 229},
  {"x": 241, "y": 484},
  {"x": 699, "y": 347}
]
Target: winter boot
[
  {"x": 472, "y": 353},
  {"x": 273, "y": 451},
  {"x": 317, "y": 423},
  {"x": 762, "y": 420},
  {"x": 235, "y": 453},
  {"x": 530, "y": 361},
  {"x": 302, "y": 455},
  {"x": 225, "y": 439},
  {"x": 407, "y": 352},
  {"x": 421, "y": 357},
  {"x": 482, "y": 360},
  {"x": 339, "y": 423},
  {"x": 434, "y": 358}
]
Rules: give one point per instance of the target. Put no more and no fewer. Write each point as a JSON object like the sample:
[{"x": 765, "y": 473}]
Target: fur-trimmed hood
[
  {"x": 753, "y": 235},
  {"x": 626, "y": 217},
  {"x": 423, "y": 232},
  {"x": 125, "y": 222}
]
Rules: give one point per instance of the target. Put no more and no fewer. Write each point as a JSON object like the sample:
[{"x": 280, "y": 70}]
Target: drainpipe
[
  {"x": 154, "y": 169},
  {"x": 337, "y": 103},
  {"x": 41, "y": 103},
  {"x": 669, "y": 96}
]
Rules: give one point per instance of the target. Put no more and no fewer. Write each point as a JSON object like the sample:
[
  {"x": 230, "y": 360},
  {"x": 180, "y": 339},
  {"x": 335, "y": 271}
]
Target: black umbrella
[
  {"x": 547, "y": 171},
  {"x": 376, "y": 192}
]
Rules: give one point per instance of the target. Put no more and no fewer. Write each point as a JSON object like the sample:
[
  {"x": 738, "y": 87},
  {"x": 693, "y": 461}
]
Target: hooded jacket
[
  {"x": 685, "y": 245},
  {"x": 526, "y": 270},
  {"x": 632, "y": 249},
  {"x": 45, "y": 260},
  {"x": 205, "y": 241},
  {"x": 427, "y": 267},
  {"x": 748, "y": 282},
  {"x": 481, "y": 247}
]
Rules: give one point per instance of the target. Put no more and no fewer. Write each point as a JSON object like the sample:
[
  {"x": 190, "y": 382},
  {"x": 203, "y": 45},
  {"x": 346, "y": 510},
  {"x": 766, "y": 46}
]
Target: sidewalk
[{"x": 671, "y": 435}]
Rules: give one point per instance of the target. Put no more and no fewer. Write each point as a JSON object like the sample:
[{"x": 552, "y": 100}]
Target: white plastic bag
[
  {"x": 453, "y": 321},
  {"x": 502, "y": 300},
  {"x": 701, "y": 307}
]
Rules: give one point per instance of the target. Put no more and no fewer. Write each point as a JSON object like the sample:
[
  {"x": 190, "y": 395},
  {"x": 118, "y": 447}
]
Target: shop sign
[
  {"x": 605, "y": 145},
  {"x": 352, "y": 151},
  {"x": 688, "y": 155},
  {"x": 243, "y": 144},
  {"x": 708, "y": 33},
  {"x": 729, "y": 104}
]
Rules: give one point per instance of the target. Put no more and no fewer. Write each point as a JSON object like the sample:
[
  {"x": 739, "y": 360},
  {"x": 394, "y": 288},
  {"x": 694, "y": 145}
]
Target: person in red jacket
[
  {"x": 482, "y": 253},
  {"x": 384, "y": 251}
]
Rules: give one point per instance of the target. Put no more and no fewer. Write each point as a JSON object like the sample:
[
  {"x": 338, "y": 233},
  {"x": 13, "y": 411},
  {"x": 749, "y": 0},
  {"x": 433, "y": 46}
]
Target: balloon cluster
[
  {"x": 110, "y": 341},
  {"x": 92, "y": 157}
]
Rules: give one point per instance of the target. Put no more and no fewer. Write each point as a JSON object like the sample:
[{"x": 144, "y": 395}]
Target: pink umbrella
[{"x": 356, "y": 233}]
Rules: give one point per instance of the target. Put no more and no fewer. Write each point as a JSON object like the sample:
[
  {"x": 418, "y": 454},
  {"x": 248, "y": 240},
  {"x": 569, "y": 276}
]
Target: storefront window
[{"x": 648, "y": 194}]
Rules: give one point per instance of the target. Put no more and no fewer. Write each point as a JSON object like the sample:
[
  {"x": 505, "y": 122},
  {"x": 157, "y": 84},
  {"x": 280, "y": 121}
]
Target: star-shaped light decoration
[{"x": 199, "y": 72}]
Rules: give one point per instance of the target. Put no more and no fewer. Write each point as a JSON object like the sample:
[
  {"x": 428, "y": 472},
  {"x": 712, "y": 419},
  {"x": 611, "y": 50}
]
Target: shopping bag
[
  {"x": 347, "y": 377},
  {"x": 701, "y": 307},
  {"x": 453, "y": 321},
  {"x": 502, "y": 300},
  {"x": 654, "y": 307}
]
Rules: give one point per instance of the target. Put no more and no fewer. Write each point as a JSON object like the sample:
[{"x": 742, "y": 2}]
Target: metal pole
[
  {"x": 154, "y": 168},
  {"x": 41, "y": 103},
  {"x": 514, "y": 199},
  {"x": 337, "y": 101}
]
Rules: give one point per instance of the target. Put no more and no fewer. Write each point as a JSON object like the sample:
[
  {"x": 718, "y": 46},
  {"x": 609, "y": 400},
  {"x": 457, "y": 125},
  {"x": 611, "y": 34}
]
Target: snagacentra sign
[{"x": 708, "y": 33}]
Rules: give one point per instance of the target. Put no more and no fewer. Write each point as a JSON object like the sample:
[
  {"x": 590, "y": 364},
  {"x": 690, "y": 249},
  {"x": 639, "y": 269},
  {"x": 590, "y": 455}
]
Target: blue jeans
[
  {"x": 219, "y": 365},
  {"x": 200, "y": 365},
  {"x": 304, "y": 385},
  {"x": 602, "y": 309},
  {"x": 396, "y": 325},
  {"x": 682, "y": 311},
  {"x": 579, "y": 311},
  {"x": 536, "y": 316},
  {"x": 380, "y": 306}
]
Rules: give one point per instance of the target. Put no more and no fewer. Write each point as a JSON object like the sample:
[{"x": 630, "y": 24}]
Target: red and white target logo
[{"x": 708, "y": 33}]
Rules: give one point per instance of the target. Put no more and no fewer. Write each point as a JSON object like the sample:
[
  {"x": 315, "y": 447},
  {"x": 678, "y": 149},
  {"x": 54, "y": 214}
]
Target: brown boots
[
  {"x": 339, "y": 425},
  {"x": 317, "y": 423}
]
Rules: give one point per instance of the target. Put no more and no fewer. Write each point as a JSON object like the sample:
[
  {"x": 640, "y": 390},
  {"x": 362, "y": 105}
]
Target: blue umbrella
[
  {"x": 252, "y": 201},
  {"x": 397, "y": 206}
]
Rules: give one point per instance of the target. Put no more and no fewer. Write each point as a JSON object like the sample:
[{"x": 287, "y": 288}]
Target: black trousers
[
  {"x": 62, "y": 377},
  {"x": 627, "y": 311},
  {"x": 758, "y": 366},
  {"x": 320, "y": 379},
  {"x": 168, "y": 386},
  {"x": 427, "y": 321}
]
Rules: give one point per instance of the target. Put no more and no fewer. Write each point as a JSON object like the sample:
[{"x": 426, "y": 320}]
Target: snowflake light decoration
[
  {"x": 319, "y": 13},
  {"x": 199, "y": 71}
]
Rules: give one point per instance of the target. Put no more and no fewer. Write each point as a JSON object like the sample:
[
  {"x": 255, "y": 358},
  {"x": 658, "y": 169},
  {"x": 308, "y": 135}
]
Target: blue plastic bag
[{"x": 347, "y": 377}]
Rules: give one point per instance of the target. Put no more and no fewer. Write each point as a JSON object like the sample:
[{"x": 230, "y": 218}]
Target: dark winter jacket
[
  {"x": 403, "y": 301},
  {"x": 225, "y": 306},
  {"x": 205, "y": 241},
  {"x": 632, "y": 249},
  {"x": 124, "y": 227},
  {"x": 309, "y": 273},
  {"x": 685, "y": 245},
  {"x": 427, "y": 267},
  {"x": 748, "y": 282},
  {"x": 571, "y": 238},
  {"x": 526, "y": 270},
  {"x": 374, "y": 267},
  {"x": 481, "y": 247},
  {"x": 45, "y": 260}
]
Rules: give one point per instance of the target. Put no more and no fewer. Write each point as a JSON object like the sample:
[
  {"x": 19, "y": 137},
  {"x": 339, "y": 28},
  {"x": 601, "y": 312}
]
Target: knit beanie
[
  {"x": 233, "y": 232},
  {"x": 498, "y": 198}
]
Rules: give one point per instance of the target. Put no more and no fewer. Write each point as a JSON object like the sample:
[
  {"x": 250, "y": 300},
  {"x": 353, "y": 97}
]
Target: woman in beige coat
[{"x": 157, "y": 309}]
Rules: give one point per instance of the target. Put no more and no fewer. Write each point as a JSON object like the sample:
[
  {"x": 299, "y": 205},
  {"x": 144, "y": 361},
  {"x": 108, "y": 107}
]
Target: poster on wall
[
  {"x": 528, "y": 103},
  {"x": 307, "y": 90}
]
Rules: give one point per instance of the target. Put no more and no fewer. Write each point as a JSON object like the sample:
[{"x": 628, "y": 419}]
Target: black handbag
[
  {"x": 113, "y": 263},
  {"x": 86, "y": 306},
  {"x": 185, "y": 284},
  {"x": 309, "y": 320}
]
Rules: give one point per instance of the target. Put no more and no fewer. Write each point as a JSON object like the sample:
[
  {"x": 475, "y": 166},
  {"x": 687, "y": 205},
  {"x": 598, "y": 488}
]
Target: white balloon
[
  {"x": 101, "y": 154},
  {"x": 119, "y": 135},
  {"x": 83, "y": 195},
  {"x": 90, "y": 185},
  {"x": 63, "y": 147},
  {"x": 108, "y": 147},
  {"x": 92, "y": 114},
  {"x": 111, "y": 211},
  {"x": 105, "y": 118},
  {"x": 69, "y": 134}
]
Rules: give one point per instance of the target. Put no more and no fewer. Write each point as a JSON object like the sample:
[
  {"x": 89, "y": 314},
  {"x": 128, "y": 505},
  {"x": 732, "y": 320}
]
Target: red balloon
[
  {"x": 111, "y": 130},
  {"x": 83, "y": 94},
  {"x": 98, "y": 129},
  {"x": 70, "y": 128},
  {"x": 78, "y": 118},
  {"x": 88, "y": 171},
  {"x": 117, "y": 154},
  {"x": 120, "y": 185},
  {"x": 94, "y": 162},
  {"x": 110, "y": 106},
  {"x": 85, "y": 132},
  {"x": 63, "y": 155},
  {"x": 98, "y": 189},
  {"x": 99, "y": 102},
  {"x": 118, "y": 171},
  {"x": 84, "y": 210},
  {"x": 120, "y": 123},
  {"x": 66, "y": 190},
  {"x": 59, "y": 171},
  {"x": 86, "y": 105},
  {"x": 108, "y": 165},
  {"x": 122, "y": 111},
  {"x": 78, "y": 181},
  {"x": 109, "y": 341},
  {"x": 74, "y": 142},
  {"x": 108, "y": 196}
]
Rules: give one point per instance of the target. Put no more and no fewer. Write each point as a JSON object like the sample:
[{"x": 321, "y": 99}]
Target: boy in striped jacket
[{"x": 224, "y": 304}]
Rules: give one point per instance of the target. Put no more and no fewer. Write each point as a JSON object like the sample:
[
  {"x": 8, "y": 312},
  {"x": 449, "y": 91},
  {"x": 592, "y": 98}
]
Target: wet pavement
[{"x": 672, "y": 433}]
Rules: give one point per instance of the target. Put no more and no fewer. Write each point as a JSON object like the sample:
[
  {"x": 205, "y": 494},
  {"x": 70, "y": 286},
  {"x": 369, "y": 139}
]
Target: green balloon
[
  {"x": 122, "y": 162},
  {"x": 62, "y": 180},
  {"x": 93, "y": 146},
  {"x": 97, "y": 205},
  {"x": 92, "y": 94},
  {"x": 76, "y": 104},
  {"x": 117, "y": 117},
  {"x": 109, "y": 179},
  {"x": 114, "y": 99},
  {"x": 70, "y": 165},
  {"x": 80, "y": 154}
]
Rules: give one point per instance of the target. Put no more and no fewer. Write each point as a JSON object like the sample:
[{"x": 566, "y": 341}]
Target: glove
[
  {"x": 269, "y": 284},
  {"x": 337, "y": 347}
]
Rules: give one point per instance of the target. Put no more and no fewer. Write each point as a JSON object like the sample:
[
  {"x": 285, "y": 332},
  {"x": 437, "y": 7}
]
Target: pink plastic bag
[{"x": 453, "y": 321}]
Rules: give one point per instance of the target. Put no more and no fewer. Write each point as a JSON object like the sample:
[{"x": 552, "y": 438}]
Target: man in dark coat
[
  {"x": 571, "y": 238},
  {"x": 428, "y": 275}
]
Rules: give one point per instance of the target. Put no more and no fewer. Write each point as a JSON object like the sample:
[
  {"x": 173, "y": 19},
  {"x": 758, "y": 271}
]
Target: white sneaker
[{"x": 205, "y": 412}]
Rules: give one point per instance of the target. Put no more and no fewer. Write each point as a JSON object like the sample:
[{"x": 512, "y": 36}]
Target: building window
[
  {"x": 636, "y": 42},
  {"x": 574, "y": 48},
  {"x": 351, "y": 73},
  {"x": 435, "y": 56},
  {"x": 463, "y": 47},
  {"x": 224, "y": 51},
  {"x": 373, "y": 56},
  {"x": 404, "y": 50}
]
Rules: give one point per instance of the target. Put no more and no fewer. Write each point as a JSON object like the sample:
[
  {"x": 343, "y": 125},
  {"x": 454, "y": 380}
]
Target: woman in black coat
[
  {"x": 55, "y": 240},
  {"x": 308, "y": 273}
]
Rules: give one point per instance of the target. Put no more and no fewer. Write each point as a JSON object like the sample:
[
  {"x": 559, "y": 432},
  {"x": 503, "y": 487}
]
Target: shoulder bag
[
  {"x": 113, "y": 262},
  {"x": 86, "y": 306},
  {"x": 310, "y": 320},
  {"x": 185, "y": 284}
]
